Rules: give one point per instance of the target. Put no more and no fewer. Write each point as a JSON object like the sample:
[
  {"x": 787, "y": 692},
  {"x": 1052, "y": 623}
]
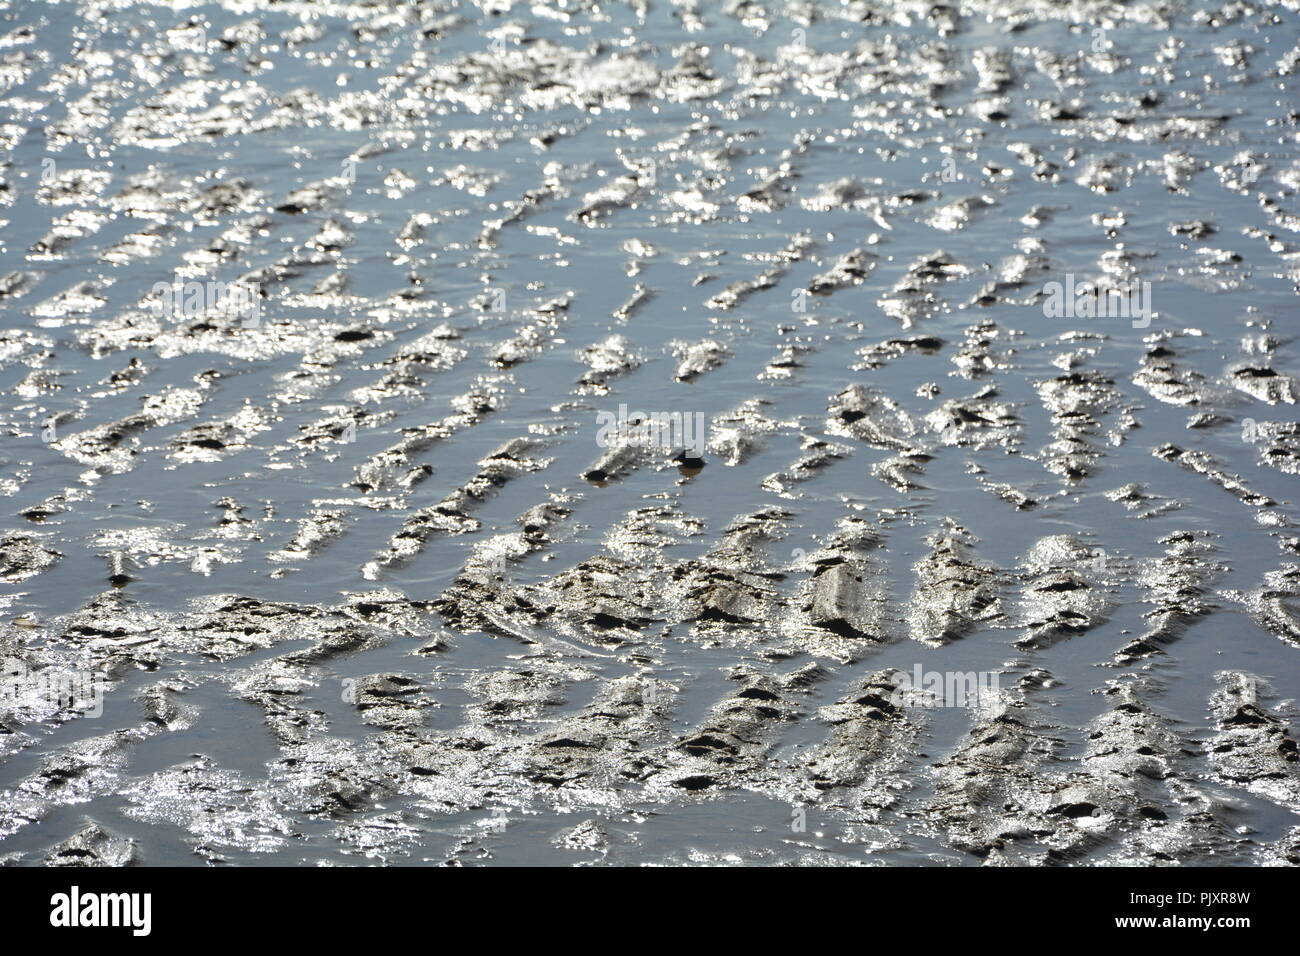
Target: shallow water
[{"x": 392, "y": 171}]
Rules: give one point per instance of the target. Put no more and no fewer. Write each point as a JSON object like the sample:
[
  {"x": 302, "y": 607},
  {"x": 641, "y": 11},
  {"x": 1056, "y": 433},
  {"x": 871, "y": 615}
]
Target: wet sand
[{"x": 590, "y": 433}]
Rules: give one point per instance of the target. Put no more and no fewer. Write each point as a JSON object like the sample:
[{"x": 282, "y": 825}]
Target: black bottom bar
[{"x": 253, "y": 906}]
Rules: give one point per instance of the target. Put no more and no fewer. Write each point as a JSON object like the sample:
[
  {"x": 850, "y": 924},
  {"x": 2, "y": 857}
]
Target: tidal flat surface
[{"x": 313, "y": 320}]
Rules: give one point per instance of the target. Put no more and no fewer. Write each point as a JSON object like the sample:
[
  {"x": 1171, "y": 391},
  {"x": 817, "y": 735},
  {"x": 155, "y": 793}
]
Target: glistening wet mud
[{"x": 313, "y": 321}]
